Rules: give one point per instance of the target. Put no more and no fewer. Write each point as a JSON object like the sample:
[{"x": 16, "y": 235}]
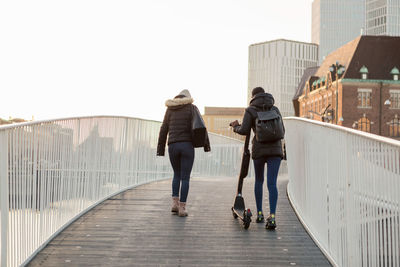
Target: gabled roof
[
  {"x": 306, "y": 76},
  {"x": 379, "y": 54},
  {"x": 343, "y": 55}
]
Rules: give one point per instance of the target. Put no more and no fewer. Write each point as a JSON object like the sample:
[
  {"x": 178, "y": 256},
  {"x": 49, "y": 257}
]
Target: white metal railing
[
  {"x": 52, "y": 172},
  {"x": 345, "y": 187}
]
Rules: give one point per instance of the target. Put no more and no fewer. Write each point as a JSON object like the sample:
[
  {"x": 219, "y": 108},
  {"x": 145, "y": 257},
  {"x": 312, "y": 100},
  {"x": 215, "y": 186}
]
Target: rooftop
[{"x": 221, "y": 111}]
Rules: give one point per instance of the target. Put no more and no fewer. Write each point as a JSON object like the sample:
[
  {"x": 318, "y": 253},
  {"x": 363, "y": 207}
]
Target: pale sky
[{"x": 101, "y": 57}]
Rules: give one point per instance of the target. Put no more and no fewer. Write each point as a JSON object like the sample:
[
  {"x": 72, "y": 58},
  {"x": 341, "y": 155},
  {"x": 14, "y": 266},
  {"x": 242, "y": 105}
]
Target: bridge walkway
[{"x": 136, "y": 228}]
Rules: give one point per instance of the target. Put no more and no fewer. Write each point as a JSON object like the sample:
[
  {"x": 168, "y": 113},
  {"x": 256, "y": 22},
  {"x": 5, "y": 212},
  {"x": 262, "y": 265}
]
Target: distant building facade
[
  {"x": 12, "y": 120},
  {"x": 336, "y": 22},
  {"x": 278, "y": 66},
  {"x": 306, "y": 76},
  {"x": 356, "y": 88},
  {"x": 217, "y": 120},
  {"x": 382, "y": 17}
]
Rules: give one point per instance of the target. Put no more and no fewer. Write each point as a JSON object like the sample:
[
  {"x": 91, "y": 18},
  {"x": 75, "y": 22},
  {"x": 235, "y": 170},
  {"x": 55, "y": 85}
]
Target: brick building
[
  {"x": 357, "y": 86},
  {"x": 217, "y": 120},
  {"x": 300, "y": 88}
]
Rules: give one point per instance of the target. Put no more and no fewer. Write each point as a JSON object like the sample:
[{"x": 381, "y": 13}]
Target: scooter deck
[
  {"x": 239, "y": 210},
  {"x": 239, "y": 207}
]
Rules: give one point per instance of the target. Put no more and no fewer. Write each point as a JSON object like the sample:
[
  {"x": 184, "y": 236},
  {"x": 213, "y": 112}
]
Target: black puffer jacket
[
  {"x": 177, "y": 124},
  {"x": 258, "y": 103}
]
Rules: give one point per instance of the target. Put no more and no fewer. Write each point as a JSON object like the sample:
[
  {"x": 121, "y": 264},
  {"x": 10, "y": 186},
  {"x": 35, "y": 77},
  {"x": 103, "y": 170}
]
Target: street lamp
[
  {"x": 337, "y": 69},
  {"x": 386, "y": 103}
]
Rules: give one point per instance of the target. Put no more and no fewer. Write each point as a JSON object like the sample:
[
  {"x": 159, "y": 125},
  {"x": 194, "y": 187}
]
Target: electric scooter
[{"x": 239, "y": 208}]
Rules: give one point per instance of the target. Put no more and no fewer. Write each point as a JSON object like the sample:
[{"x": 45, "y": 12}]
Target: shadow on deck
[{"x": 136, "y": 228}]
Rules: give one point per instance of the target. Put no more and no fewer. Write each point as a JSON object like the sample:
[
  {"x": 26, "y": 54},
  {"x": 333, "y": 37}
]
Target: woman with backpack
[
  {"x": 177, "y": 124},
  {"x": 263, "y": 152}
]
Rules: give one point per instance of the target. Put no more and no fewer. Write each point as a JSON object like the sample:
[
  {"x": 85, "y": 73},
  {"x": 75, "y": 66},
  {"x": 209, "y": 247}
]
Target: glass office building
[
  {"x": 335, "y": 23},
  {"x": 278, "y": 66},
  {"x": 382, "y": 17}
]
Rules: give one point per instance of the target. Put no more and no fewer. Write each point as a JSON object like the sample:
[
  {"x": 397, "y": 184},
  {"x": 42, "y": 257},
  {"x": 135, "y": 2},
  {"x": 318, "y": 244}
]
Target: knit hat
[
  {"x": 185, "y": 93},
  {"x": 257, "y": 90}
]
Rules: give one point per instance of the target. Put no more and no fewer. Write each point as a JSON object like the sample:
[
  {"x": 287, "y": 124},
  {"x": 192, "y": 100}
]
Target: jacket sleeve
[
  {"x": 162, "y": 137},
  {"x": 247, "y": 122}
]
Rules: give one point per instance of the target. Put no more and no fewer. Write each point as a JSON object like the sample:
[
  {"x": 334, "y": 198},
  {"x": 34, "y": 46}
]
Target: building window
[
  {"x": 364, "y": 72},
  {"x": 394, "y": 99},
  {"x": 364, "y": 98},
  {"x": 394, "y": 127},
  {"x": 320, "y": 105},
  {"x": 364, "y": 124},
  {"x": 395, "y": 72}
]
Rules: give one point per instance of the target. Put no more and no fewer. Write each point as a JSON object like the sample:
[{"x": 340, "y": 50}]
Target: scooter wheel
[
  {"x": 246, "y": 218},
  {"x": 246, "y": 224}
]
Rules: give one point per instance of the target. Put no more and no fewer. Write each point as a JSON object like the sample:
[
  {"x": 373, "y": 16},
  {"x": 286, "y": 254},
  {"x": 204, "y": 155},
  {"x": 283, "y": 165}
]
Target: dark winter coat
[
  {"x": 177, "y": 124},
  {"x": 261, "y": 101}
]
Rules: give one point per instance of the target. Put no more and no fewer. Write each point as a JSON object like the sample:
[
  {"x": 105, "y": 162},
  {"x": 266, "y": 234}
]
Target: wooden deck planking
[{"x": 136, "y": 228}]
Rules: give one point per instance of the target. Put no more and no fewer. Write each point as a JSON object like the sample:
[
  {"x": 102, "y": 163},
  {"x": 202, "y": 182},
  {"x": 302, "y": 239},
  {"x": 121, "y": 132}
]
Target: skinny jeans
[
  {"x": 181, "y": 156},
  {"x": 273, "y": 164}
]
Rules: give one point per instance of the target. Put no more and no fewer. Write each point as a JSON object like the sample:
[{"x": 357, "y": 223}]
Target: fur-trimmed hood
[{"x": 178, "y": 102}]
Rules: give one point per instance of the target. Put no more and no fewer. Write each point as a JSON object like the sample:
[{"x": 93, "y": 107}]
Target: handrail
[
  {"x": 344, "y": 185},
  {"x": 36, "y": 122},
  {"x": 379, "y": 138},
  {"x": 53, "y": 171}
]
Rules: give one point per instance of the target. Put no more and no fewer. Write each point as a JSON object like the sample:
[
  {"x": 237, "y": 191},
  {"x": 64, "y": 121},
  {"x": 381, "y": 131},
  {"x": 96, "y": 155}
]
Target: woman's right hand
[
  {"x": 207, "y": 148},
  {"x": 234, "y": 123}
]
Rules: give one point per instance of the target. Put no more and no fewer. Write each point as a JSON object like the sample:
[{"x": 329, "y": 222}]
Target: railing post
[
  {"x": 3, "y": 196},
  {"x": 351, "y": 237}
]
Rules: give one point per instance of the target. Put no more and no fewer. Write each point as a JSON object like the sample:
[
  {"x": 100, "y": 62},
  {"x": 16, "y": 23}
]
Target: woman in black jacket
[
  {"x": 177, "y": 125},
  {"x": 269, "y": 152}
]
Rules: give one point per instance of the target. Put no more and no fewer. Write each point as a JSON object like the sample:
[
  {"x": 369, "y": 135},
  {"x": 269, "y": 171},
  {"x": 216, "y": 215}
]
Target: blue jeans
[
  {"x": 273, "y": 164},
  {"x": 181, "y": 156}
]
